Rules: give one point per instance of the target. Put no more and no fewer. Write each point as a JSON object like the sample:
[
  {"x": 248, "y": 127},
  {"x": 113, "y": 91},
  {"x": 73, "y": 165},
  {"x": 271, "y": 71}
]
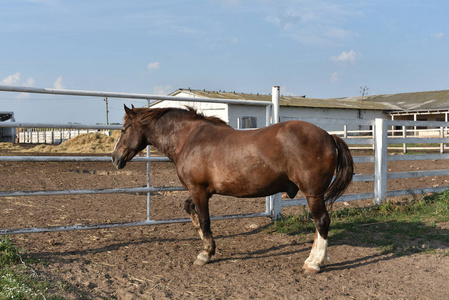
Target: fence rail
[{"x": 409, "y": 134}]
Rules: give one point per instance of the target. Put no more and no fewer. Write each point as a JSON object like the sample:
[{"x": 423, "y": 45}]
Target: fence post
[
  {"x": 404, "y": 135},
  {"x": 275, "y": 99},
  {"x": 276, "y": 206},
  {"x": 380, "y": 161},
  {"x": 148, "y": 186},
  {"x": 275, "y": 200}
]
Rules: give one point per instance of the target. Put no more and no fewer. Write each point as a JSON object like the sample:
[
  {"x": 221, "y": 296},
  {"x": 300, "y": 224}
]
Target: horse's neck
[{"x": 167, "y": 137}]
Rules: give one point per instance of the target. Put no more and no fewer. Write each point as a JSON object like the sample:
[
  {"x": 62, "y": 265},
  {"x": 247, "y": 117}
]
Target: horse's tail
[{"x": 344, "y": 171}]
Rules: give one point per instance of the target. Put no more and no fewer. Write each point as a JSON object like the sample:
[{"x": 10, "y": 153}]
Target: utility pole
[
  {"x": 364, "y": 91},
  {"x": 107, "y": 111}
]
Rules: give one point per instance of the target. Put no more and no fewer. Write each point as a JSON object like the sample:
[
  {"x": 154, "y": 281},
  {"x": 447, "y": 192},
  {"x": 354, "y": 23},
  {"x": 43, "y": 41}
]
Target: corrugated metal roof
[
  {"x": 432, "y": 100},
  {"x": 392, "y": 102}
]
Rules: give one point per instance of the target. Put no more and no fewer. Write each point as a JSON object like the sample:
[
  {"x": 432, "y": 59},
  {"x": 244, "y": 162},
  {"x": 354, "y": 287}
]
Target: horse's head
[{"x": 132, "y": 139}]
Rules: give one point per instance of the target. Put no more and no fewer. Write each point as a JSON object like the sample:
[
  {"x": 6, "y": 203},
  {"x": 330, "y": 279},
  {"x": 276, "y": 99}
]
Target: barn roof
[
  {"x": 433, "y": 100},
  {"x": 418, "y": 101}
]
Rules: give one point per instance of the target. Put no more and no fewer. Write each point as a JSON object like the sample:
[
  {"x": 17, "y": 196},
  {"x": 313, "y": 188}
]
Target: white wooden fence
[
  {"x": 418, "y": 131},
  {"x": 382, "y": 136}
]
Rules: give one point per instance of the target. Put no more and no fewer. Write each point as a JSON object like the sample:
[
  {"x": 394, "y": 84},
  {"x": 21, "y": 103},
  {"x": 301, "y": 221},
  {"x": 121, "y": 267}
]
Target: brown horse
[{"x": 213, "y": 158}]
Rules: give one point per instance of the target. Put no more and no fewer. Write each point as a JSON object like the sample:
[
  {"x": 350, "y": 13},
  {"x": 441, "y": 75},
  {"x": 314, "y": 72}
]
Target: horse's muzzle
[{"x": 118, "y": 161}]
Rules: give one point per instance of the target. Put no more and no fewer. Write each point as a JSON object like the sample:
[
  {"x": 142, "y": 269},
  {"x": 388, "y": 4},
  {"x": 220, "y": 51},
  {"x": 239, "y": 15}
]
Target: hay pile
[
  {"x": 83, "y": 143},
  {"x": 88, "y": 143},
  {"x": 10, "y": 147}
]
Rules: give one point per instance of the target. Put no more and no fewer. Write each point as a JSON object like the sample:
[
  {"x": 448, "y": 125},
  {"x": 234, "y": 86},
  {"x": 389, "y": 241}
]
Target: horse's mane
[{"x": 150, "y": 116}]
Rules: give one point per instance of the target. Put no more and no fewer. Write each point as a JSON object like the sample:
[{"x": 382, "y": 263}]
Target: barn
[{"x": 421, "y": 106}]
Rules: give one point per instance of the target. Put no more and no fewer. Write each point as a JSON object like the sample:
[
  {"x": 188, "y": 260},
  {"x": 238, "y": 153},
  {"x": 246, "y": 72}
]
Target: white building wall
[
  {"x": 232, "y": 113},
  {"x": 303, "y": 113},
  {"x": 236, "y": 112},
  {"x": 287, "y": 113}
]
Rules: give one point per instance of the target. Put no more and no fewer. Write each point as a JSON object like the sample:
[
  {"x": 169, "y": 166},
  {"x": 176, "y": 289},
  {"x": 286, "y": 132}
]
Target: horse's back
[{"x": 307, "y": 146}]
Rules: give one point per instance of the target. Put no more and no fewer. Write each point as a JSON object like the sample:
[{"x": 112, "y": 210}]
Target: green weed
[
  {"x": 402, "y": 227},
  {"x": 17, "y": 280},
  {"x": 8, "y": 252}
]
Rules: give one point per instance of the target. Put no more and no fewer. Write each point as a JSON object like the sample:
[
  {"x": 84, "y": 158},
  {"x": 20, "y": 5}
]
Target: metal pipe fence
[{"x": 148, "y": 189}]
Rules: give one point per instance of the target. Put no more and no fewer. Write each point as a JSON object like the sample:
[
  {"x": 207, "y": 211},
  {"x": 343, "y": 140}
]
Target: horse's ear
[{"x": 130, "y": 112}]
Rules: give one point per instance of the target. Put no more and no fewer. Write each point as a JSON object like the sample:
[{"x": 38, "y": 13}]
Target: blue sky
[{"x": 322, "y": 49}]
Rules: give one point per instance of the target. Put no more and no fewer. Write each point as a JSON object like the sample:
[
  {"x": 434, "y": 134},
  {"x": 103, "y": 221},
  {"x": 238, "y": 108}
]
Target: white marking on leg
[
  {"x": 318, "y": 254},
  {"x": 200, "y": 232}
]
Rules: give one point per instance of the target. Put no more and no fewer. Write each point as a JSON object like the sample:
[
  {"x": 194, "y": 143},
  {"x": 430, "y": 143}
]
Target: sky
[{"x": 321, "y": 49}]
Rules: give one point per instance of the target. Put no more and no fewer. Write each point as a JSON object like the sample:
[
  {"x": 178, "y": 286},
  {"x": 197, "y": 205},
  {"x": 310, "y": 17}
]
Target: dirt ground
[{"x": 155, "y": 262}]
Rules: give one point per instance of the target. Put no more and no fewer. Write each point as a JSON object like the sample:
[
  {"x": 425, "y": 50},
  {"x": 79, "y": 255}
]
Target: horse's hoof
[
  {"x": 202, "y": 259},
  {"x": 311, "y": 269},
  {"x": 199, "y": 262}
]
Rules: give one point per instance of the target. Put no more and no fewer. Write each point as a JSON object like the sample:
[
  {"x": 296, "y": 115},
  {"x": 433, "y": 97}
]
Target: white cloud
[
  {"x": 153, "y": 66},
  {"x": 285, "y": 92},
  {"x": 23, "y": 96},
  {"x": 338, "y": 33},
  {"x": 335, "y": 77},
  {"x": 162, "y": 90},
  {"x": 437, "y": 35},
  {"x": 287, "y": 19},
  {"x": 58, "y": 84},
  {"x": 349, "y": 56},
  {"x": 230, "y": 3},
  {"x": 12, "y": 79},
  {"x": 29, "y": 82},
  {"x": 316, "y": 21},
  {"x": 45, "y": 2}
]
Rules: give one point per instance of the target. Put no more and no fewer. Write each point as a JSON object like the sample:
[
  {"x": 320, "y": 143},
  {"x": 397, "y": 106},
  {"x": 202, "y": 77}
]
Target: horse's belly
[{"x": 255, "y": 185}]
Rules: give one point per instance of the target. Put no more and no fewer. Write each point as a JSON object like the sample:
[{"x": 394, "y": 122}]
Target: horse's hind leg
[
  {"x": 198, "y": 208},
  {"x": 318, "y": 254}
]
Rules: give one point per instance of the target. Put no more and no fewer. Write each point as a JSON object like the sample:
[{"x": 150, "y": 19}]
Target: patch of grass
[
  {"x": 17, "y": 280},
  {"x": 294, "y": 225},
  {"x": 8, "y": 252},
  {"x": 394, "y": 227}
]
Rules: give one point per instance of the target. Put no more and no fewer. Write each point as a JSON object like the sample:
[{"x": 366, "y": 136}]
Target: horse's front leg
[
  {"x": 189, "y": 207},
  {"x": 318, "y": 254},
  {"x": 198, "y": 209}
]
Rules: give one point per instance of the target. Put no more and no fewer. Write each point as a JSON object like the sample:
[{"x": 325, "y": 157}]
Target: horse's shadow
[
  {"x": 390, "y": 239},
  {"x": 374, "y": 236},
  {"x": 58, "y": 255}
]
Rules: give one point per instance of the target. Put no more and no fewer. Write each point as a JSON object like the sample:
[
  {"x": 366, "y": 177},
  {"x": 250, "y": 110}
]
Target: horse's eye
[{"x": 123, "y": 130}]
